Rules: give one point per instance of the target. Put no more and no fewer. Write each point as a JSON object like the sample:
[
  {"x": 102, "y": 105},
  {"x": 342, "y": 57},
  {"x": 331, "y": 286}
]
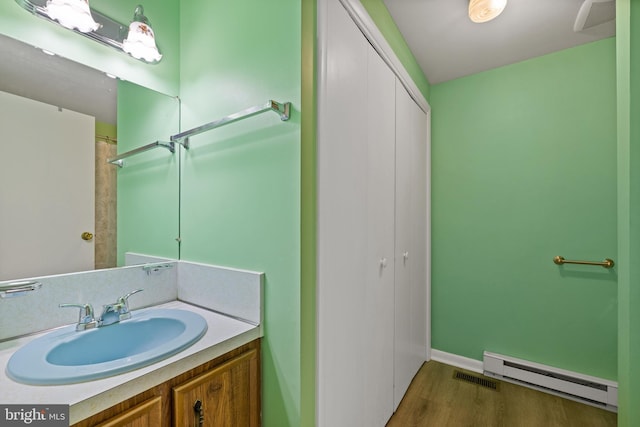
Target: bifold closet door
[
  {"x": 356, "y": 186},
  {"x": 342, "y": 224},
  {"x": 371, "y": 299},
  {"x": 410, "y": 349},
  {"x": 379, "y": 289}
]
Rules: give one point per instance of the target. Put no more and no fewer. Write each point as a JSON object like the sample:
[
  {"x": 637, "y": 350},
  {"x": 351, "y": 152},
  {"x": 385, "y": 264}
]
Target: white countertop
[{"x": 85, "y": 399}]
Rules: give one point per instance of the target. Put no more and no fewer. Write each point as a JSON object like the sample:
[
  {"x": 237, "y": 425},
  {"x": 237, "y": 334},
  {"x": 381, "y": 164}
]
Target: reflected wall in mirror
[{"x": 46, "y": 197}]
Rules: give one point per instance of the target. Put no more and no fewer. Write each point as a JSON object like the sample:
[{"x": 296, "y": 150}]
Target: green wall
[
  {"x": 106, "y": 129},
  {"x": 240, "y": 191},
  {"x": 524, "y": 169},
  {"x": 628, "y": 78},
  {"x": 148, "y": 185}
]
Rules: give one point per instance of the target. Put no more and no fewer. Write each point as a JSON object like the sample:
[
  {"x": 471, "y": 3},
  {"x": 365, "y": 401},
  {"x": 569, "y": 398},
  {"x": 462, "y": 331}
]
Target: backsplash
[{"x": 236, "y": 293}]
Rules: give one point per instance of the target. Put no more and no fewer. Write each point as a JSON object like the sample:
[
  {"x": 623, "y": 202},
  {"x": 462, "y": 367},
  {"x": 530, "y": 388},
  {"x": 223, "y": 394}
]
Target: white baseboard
[{"x": 457, "y": 361}]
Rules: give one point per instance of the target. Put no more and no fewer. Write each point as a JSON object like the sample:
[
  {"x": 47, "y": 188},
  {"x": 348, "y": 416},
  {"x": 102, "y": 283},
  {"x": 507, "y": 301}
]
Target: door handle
[{"x": 199, "y": 412}]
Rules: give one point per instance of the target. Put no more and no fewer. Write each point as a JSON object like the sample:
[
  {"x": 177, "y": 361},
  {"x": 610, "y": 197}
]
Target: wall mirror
[{"x": 59, "y": 208}]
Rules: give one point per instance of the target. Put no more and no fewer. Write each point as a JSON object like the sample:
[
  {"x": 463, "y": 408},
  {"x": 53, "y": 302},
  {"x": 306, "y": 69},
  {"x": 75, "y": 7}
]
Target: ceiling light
[
  {"x": 72, "y": 14},
  {"x": 485, "y": 10},
  {"x": 140, "y": 42}
]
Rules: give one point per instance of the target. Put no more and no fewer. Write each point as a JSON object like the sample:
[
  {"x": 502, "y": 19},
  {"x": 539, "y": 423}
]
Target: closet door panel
[
  {"x": 403, "y": 253},
  {"x": 410, "y": 244},
  {"x": 342, "y": 225},
  {"x": 420, "y": 258},
  {"x": 379, "y": 290}
]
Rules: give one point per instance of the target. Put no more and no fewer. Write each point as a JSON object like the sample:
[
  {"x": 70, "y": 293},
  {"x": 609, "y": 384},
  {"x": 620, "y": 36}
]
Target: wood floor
[{"x": 436, "y": 399}]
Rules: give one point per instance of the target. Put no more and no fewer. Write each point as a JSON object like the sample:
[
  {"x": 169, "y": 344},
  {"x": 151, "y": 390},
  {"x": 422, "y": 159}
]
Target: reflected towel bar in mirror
[
  {"x": 16, "y": 289},
  {"x": 607, "y": 263},
  {"x": 119, "y": 160}
]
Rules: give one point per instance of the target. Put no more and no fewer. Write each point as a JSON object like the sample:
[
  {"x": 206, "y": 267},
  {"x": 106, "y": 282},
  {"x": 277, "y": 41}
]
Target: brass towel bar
[{"x": 607, "y": 263}]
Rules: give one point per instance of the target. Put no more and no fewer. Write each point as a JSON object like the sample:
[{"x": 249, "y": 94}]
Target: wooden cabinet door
[
  {"x": 229, "y": 396},
  {"x": 146, "y": 414}
]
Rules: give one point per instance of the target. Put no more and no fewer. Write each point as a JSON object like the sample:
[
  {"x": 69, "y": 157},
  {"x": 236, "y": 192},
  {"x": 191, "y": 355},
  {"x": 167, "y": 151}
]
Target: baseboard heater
[{"x": 582, "y": 388}]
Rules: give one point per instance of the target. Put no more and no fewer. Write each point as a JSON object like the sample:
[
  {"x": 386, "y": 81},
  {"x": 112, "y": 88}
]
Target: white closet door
[
  {"x": 420, "y": 258},
  {"x": 371, "y": 303},
  {"x": 342, "y": 225},
  {"x": 379, "y": 290},
  {"x": 410, "y": 247}
]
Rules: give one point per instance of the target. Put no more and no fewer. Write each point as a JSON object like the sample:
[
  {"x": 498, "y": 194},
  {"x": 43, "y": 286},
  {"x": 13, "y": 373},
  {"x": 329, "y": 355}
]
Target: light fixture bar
[{"x": 110, "y": 32}]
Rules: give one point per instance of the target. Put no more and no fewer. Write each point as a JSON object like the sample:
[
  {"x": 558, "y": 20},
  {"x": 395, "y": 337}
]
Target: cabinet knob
[
  {"x": 405, "y": 256},
  {"x": 383, "y": 262}
]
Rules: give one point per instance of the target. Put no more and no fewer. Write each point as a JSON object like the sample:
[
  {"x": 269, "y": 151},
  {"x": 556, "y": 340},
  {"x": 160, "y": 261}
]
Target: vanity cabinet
[
  {"x": 225, "y": 396},
  {"x": 227, "y": 387},
  {"x": 145, "y": 414}
]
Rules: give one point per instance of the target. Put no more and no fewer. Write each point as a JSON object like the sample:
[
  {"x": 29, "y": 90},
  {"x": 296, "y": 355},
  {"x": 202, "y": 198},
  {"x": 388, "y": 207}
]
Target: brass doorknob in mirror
[{"x": 87, "y": 236}]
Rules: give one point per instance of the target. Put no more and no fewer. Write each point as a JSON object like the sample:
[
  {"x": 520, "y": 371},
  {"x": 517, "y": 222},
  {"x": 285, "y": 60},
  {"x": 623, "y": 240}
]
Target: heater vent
[
  {"x": 483, "y": 382},
  {"x": 572, "y": 385},
  {"x": 555, "y": 375}
]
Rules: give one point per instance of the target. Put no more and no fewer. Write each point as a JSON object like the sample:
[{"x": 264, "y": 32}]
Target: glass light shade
[
  {"x": 141, "y": 42},
  {"x": 485, "y": 10},
  {"x": 72, "y": 14}
]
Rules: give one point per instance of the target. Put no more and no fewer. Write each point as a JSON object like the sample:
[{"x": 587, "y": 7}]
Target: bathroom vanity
[
  {"x": 214, "y": 381},
  {"x": 228, "y": 386}
]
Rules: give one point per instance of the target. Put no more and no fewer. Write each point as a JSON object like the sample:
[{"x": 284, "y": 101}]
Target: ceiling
[
  {"x": 30, "y": 73},
  {"x": 447, "y": 45}
]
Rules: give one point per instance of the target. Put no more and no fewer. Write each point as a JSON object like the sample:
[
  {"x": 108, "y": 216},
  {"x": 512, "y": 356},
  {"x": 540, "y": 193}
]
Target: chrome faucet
[
  {"x": 111, "y": 313},
  {"x": 86, "y": 319},
  {"x": 117, "y": 311}
]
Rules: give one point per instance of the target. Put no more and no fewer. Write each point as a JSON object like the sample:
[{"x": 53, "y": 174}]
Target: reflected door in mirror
[{"x": 46, "y": 189}]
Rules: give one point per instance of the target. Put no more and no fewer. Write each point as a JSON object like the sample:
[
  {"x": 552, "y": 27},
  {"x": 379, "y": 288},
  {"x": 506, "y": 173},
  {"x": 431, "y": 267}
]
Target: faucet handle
[
  {"x": 125, "y": 299},
  {"x": 123, "y": 305},
  {"x": 85, "y": 318}
]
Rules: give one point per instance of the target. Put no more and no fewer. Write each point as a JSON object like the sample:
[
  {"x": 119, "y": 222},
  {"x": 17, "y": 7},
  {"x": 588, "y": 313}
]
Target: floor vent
[
  {"x": 459, "y": 375},
  {"x": 583, "y": 388}
]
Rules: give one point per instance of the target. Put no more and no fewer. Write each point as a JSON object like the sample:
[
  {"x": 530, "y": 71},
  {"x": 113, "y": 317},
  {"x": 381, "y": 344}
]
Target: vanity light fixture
[
  {"x": 72, "y": 14},
  {"x": 485, "y": 10},
  {"x": 137, "y": 39}
]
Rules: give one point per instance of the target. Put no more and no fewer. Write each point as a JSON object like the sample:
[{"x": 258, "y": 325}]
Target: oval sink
[{"x": 65, "y": 356}]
